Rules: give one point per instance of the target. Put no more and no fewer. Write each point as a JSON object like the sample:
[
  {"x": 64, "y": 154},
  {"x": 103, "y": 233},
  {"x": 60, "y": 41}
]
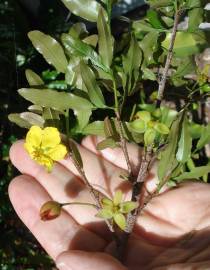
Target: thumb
[{"x": 82, "y": 260}]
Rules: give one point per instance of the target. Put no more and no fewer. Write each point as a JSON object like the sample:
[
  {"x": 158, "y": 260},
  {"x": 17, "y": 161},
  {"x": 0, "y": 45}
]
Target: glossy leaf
[
  {"x": 105, "y": 39},
  {"x": 15, "y": 118},
  {"x": 91, "y": 85},
  {"x": 195, "y": 173},
  {"x": 33, "y": 78},
  {"x": 87, "y": 9},
  {"x": 33, "y": 118},
  {"x": 143, "y": 115},
  {"x": 53, "y": 99},
  {"x": 79, "y": 48},
  {"x": 185, "y": 143},
  {"x": 50, "y": 49}
]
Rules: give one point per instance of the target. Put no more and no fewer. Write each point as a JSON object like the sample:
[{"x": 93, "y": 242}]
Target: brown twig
[{"x": 162, "y": 82}]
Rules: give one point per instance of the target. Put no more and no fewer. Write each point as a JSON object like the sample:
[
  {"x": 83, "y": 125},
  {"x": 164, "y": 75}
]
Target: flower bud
[{"x": 50, "y": 210}]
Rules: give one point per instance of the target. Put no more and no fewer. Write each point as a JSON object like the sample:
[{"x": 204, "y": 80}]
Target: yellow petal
[
  {"x": 33, "y": 137},
  {"x": 51, "y": 137},
  {"x": 29, "y": 148},
  {"x": 46, "y": 161},
  {"x": 57, "y": 153}
]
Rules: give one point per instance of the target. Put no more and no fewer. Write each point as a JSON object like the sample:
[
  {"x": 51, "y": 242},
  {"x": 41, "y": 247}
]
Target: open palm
[{"x": 173, "y": 232}]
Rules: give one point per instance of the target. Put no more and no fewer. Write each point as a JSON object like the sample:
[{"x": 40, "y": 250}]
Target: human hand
[{"x": 171, "y": 233}]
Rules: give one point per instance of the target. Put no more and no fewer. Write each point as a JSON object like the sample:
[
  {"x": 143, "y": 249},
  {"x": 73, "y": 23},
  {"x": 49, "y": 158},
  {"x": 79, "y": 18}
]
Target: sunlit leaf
[
  {"x": 138, "y": 126},
  {"x": 161, "y": 128},
  {"x": 117, "y": 197},
  {"x": 87, "y": 9},
  {"x": 53, "y": 99},
  {"x": 32, "y": 118},
  {"x": 50, "y": 49},
  {"x": 149, "y": 136},
  {"x": 15, "y": 118},
  {"x": 33, "y": 78}
]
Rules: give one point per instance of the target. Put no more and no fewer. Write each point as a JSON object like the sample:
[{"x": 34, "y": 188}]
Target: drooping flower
[
  {"x": 50, "y": 210},
  {"x": 44, "y": 146}
]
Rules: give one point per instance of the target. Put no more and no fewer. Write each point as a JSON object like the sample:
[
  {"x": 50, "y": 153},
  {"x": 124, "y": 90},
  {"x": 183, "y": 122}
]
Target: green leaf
[
  {"x": 91, "y": 85},
  {"x": 120, "y": 221},
  {"x": 15, "y": 118},
  {"x": 161, "y": 128},
  {"x": 33, "y": 78},
  {"x": 148, "y": 74},
  {"x": 168, "y": 155},
  {"x": 78, "y": 30},
  {"x": 91, "y": 40},
  {"x": 83, "y": 117},
  {"x": 149, "y": 136},
  {"x": 117, "y": 197},
  {"x": 195, "y": 173},
  {"x": 110, "y": 129},
  {"x": 131, "y": 63},
  {"x": 127, "y": 207},
  {"x": 79, "y": 48},
  {"x": 141, "y": 26},
  {"x": 205, "y": 137},
  {"x": 138, "y": 125},
  {"x": 185, "y": 43},
  {"x": 106, "y": 143},
  {"x": 76, "y": 154},
  {"x": 149, "y": 47},
  {"x": 35, "y": 109},
  {"x": 105, "y": 39},
  {"x": 53, "y": 99},
  {"x": 185, "y": 143},
  {"x": 154, "y": 19},
  {"x": 50, "y": 49},
  {"x": 107, "y": 203},
  {"x": 33, "y": 119},
  {"x": 144, "y": 115},
  {"x": 195, "y": 19},
  {"x": 51, "y": 117},
  {"x": 95, "y": 128},
  {"x": 87, "y": 9},
  {"x": 105, "y": 213}
]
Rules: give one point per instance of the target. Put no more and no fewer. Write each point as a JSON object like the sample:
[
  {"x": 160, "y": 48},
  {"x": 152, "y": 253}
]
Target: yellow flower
[{"x": 43, "y": 146}]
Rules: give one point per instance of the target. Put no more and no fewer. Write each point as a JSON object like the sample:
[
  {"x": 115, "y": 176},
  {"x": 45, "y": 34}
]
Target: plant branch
[{"x": 162, "y": 82}]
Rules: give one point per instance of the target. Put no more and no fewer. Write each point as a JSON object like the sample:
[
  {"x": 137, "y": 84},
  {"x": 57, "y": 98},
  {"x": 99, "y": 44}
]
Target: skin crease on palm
[{"x": 173, "y": 232}]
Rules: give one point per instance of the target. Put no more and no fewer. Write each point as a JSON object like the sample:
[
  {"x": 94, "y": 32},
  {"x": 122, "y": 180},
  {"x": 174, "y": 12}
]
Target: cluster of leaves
[{"x": 100, "y": 75}]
